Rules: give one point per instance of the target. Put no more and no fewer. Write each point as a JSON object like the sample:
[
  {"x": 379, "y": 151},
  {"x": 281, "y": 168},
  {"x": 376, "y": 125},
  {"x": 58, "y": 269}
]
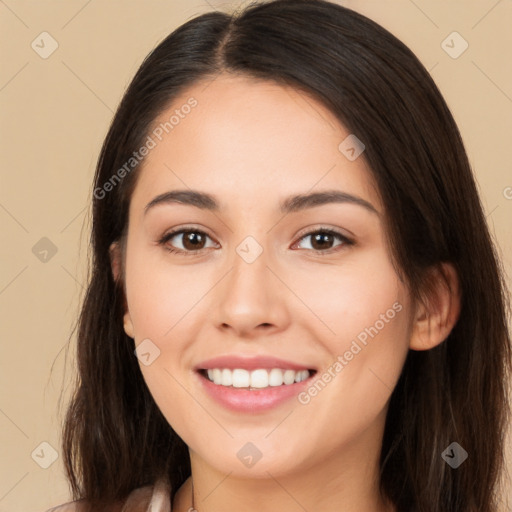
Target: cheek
[
  {"x": 351, "y": 296},
  {"x": 159, "y": 294},
  {"x": 363, "y": 313},
  {"x": 160, "y": 298},
  {"x": 354, "y": 388}
]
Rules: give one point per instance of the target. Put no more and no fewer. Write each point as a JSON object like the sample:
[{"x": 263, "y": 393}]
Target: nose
[{"x": 250, "y": 299}]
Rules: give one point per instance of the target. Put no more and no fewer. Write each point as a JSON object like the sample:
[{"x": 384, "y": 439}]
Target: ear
[
  {"x": 115, "y": 260},
  {"x": 116, "y": 264},
  {"x": 437, "y": 315}
]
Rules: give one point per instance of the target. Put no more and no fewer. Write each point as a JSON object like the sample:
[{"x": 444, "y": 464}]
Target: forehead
[{"x": 252, "y": 140}]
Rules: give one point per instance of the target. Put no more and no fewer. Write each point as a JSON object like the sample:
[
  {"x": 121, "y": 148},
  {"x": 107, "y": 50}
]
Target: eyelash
[{"x": 168, "y": 236}]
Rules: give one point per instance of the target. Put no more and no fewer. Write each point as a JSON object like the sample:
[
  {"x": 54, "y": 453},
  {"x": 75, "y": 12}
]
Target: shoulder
[{"x": 154, "y": 498}]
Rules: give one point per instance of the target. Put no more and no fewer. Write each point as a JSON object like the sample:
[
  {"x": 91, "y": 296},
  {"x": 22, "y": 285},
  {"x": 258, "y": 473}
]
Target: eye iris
[
  {"x": 318, "y": 238},
  {"x": 194, "y": 238}
]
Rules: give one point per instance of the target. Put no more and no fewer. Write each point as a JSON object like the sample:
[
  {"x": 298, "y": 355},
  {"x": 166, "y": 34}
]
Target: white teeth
[
  {"x": 217, "y": 376},
  {"x": 240, "y": 378},
  {"x": 261, "y": 378},
  {"x": 227, "y": 379},
  {"x": 289, "y": 376},
  {"x": 304, "y": 374},
  {"x": 275, "y": 377}
]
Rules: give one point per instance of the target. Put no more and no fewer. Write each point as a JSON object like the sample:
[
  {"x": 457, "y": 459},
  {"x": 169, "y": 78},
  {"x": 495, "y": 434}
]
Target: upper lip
[{"x": 250, "y": 363}]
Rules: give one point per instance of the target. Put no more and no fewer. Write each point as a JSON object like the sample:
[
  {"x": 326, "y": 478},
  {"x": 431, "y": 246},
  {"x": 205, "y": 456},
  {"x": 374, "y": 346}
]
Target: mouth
[
  {"x": 257, "y": 379},
  {"x": 253, "y": 383}
]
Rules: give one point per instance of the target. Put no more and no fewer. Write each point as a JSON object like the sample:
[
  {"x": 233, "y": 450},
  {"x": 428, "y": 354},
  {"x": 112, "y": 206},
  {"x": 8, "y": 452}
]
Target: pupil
[
  {"x": 193, "y": 238},
  {"x": 318, "y": 237}
]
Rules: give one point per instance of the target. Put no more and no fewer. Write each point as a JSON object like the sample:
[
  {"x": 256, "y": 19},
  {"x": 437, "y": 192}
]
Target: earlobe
[
  {"x": 436, "y": 317},
  {"x": 128, "y": 325}
]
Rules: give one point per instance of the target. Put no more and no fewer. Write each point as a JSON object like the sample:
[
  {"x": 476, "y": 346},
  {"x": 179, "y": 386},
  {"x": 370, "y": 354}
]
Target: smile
[
  {"x": 254, "y": 392},
  {"x": 255, "y": 379}
]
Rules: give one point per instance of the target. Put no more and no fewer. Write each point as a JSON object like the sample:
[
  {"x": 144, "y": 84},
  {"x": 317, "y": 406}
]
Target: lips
[
  {"x": 240, "y": 393},
  {"x": 249, "y": 363}
]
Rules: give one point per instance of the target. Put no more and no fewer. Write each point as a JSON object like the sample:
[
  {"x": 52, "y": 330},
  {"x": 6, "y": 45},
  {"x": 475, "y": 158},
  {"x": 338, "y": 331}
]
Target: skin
[{"x": 251, "y": 144}]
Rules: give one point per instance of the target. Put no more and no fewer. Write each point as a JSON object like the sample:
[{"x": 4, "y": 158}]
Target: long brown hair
[{"x": 115, "y": 437}]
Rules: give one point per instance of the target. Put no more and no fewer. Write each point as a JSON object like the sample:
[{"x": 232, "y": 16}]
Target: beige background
[{"x": 55, "y": 113}]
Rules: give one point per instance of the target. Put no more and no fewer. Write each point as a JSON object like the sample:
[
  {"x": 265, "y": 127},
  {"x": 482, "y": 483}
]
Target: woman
[{"x": 295, "y": 303}]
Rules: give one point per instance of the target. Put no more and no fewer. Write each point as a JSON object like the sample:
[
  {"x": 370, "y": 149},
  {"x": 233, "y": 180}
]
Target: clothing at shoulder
[{"x": 151, "y": 498}]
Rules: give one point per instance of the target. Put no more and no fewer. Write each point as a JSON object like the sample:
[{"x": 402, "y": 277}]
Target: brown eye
[
  {"x": 192, "y": 240},
  {"x": 322, "y": 240}
]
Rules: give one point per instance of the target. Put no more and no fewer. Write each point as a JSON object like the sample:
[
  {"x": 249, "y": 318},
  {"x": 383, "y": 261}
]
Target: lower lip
[{"x": 258, "y": 400}]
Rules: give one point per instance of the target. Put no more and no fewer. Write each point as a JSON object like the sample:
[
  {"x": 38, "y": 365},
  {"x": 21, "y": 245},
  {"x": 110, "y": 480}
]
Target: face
[{"x": 248, "y": 274}]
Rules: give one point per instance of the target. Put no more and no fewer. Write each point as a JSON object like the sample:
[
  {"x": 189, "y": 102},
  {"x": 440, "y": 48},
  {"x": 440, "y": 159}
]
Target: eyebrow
[{"x": 291, "y": 204}]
